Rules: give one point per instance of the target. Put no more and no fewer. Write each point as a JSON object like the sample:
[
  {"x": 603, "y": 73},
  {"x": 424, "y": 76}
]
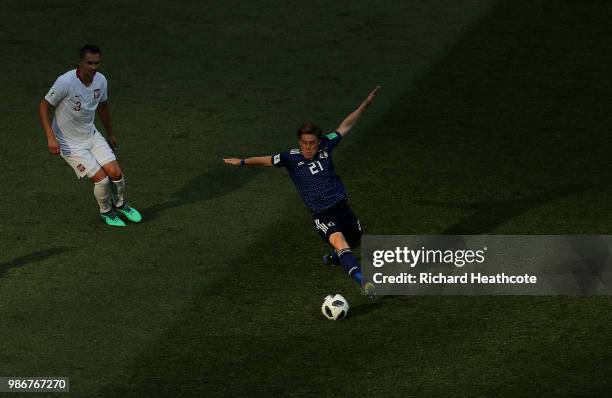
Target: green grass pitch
[{"x": 494, "y": 118}]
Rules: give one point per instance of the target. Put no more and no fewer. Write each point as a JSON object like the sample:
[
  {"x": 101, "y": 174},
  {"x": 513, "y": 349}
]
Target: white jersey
[{"x": 73, "y": 122}]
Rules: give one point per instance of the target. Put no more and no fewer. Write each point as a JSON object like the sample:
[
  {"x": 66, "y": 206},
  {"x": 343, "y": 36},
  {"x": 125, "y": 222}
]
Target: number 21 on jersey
[{"x": 315, "y": 167}]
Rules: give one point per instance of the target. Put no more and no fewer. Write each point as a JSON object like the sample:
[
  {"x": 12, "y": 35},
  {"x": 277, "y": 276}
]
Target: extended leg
[{"x": 347, "y": 260}]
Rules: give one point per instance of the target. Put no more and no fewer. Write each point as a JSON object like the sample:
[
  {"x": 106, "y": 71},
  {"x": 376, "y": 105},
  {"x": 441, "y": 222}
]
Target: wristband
[{"x": 242, "y": 162}]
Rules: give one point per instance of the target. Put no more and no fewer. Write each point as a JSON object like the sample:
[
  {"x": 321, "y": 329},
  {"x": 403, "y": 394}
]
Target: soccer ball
[{"x": 335, "y": 307}]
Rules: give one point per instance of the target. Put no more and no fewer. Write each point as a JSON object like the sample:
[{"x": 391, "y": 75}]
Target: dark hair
[
  {"x": 89, "y": 49},
  {"x": 310, "y": 128}
]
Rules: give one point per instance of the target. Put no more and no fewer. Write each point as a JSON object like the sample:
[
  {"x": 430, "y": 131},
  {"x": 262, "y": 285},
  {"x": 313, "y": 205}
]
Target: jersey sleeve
[
  {"x": 280, "y": 159},
  {"x": 57, "y": 92},
  {"x": 103, "y": 89},
  {"x": 331, "y": 140}
]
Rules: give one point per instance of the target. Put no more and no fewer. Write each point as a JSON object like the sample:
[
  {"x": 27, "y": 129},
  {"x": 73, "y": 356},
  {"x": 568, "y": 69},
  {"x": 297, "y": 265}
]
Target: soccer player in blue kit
[{"x": 312, "y": 171}]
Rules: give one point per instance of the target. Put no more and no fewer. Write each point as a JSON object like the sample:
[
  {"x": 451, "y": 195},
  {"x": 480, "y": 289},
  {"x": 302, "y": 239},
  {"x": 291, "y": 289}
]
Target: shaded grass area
[{"x": 218, "y": 292}]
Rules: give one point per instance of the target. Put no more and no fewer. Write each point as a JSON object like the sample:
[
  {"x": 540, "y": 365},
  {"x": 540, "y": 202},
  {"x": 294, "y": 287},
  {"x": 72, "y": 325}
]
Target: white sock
[
  {"x": 118, "y": 188},
  {"x": 102, "y": 192}
]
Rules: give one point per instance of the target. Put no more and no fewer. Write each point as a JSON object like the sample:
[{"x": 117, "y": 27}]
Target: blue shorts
[{"x": 339, "y": 218}]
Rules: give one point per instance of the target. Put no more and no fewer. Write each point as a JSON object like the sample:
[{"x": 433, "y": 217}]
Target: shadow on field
[
  {"x": 31, "y": 258},
  {"x": 489, "y": 215},
  {"x": 217, "y": 181},
  {"x": 375, "y": 304}
]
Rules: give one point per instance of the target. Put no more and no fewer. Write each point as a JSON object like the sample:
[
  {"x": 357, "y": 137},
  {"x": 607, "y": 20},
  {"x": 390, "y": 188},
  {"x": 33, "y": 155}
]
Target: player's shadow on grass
[
  {"x": 489, "y": 215},
  {"x": 30, "y": 258},
  {"x": 373, "y": 305},
  {"x": 218, "y": 180}
]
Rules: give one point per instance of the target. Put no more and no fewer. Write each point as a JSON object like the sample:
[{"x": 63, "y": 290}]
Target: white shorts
[{"x": 87, "y": 159}]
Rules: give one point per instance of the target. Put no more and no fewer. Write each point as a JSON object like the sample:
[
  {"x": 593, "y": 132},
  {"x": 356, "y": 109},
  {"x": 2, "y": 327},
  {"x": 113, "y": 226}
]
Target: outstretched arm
[
  {"x": 254, "y": 161},
  {"x": 348, "y": 123}
]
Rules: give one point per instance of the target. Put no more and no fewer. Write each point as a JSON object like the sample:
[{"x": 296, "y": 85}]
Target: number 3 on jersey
[{"x": 314, "y": 169}]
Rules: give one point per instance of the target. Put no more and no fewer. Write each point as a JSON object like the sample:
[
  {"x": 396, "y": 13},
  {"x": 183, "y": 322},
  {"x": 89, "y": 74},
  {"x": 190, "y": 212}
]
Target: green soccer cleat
[
  {"x": 110, "y": 218},
  {"x": 129, "y": 212}
]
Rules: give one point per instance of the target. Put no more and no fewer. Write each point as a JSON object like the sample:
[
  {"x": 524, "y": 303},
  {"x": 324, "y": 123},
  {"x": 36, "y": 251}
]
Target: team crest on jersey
[
  {"x": 323, "y": 155},
  {"x": 81, "y": 167},
  {"x": 97, "y": 93},
  {"x": 301, "y": 163}
]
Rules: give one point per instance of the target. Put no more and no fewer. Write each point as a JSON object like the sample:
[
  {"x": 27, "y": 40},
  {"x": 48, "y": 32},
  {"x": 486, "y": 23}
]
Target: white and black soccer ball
[{"x": 335, "y": 307}]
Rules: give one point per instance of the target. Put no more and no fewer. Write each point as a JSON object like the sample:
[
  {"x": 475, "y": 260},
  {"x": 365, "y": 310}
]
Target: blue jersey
[{"x": 315, "y": 179}]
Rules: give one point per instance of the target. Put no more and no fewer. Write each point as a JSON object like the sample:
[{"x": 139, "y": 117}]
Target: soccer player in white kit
[{"x": 76, "y": 96}]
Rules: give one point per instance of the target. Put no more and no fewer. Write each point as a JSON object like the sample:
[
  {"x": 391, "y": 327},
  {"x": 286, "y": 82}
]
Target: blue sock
[
  {"x": 334, "y": 258},
  {"x": 350, "y": 264}
]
